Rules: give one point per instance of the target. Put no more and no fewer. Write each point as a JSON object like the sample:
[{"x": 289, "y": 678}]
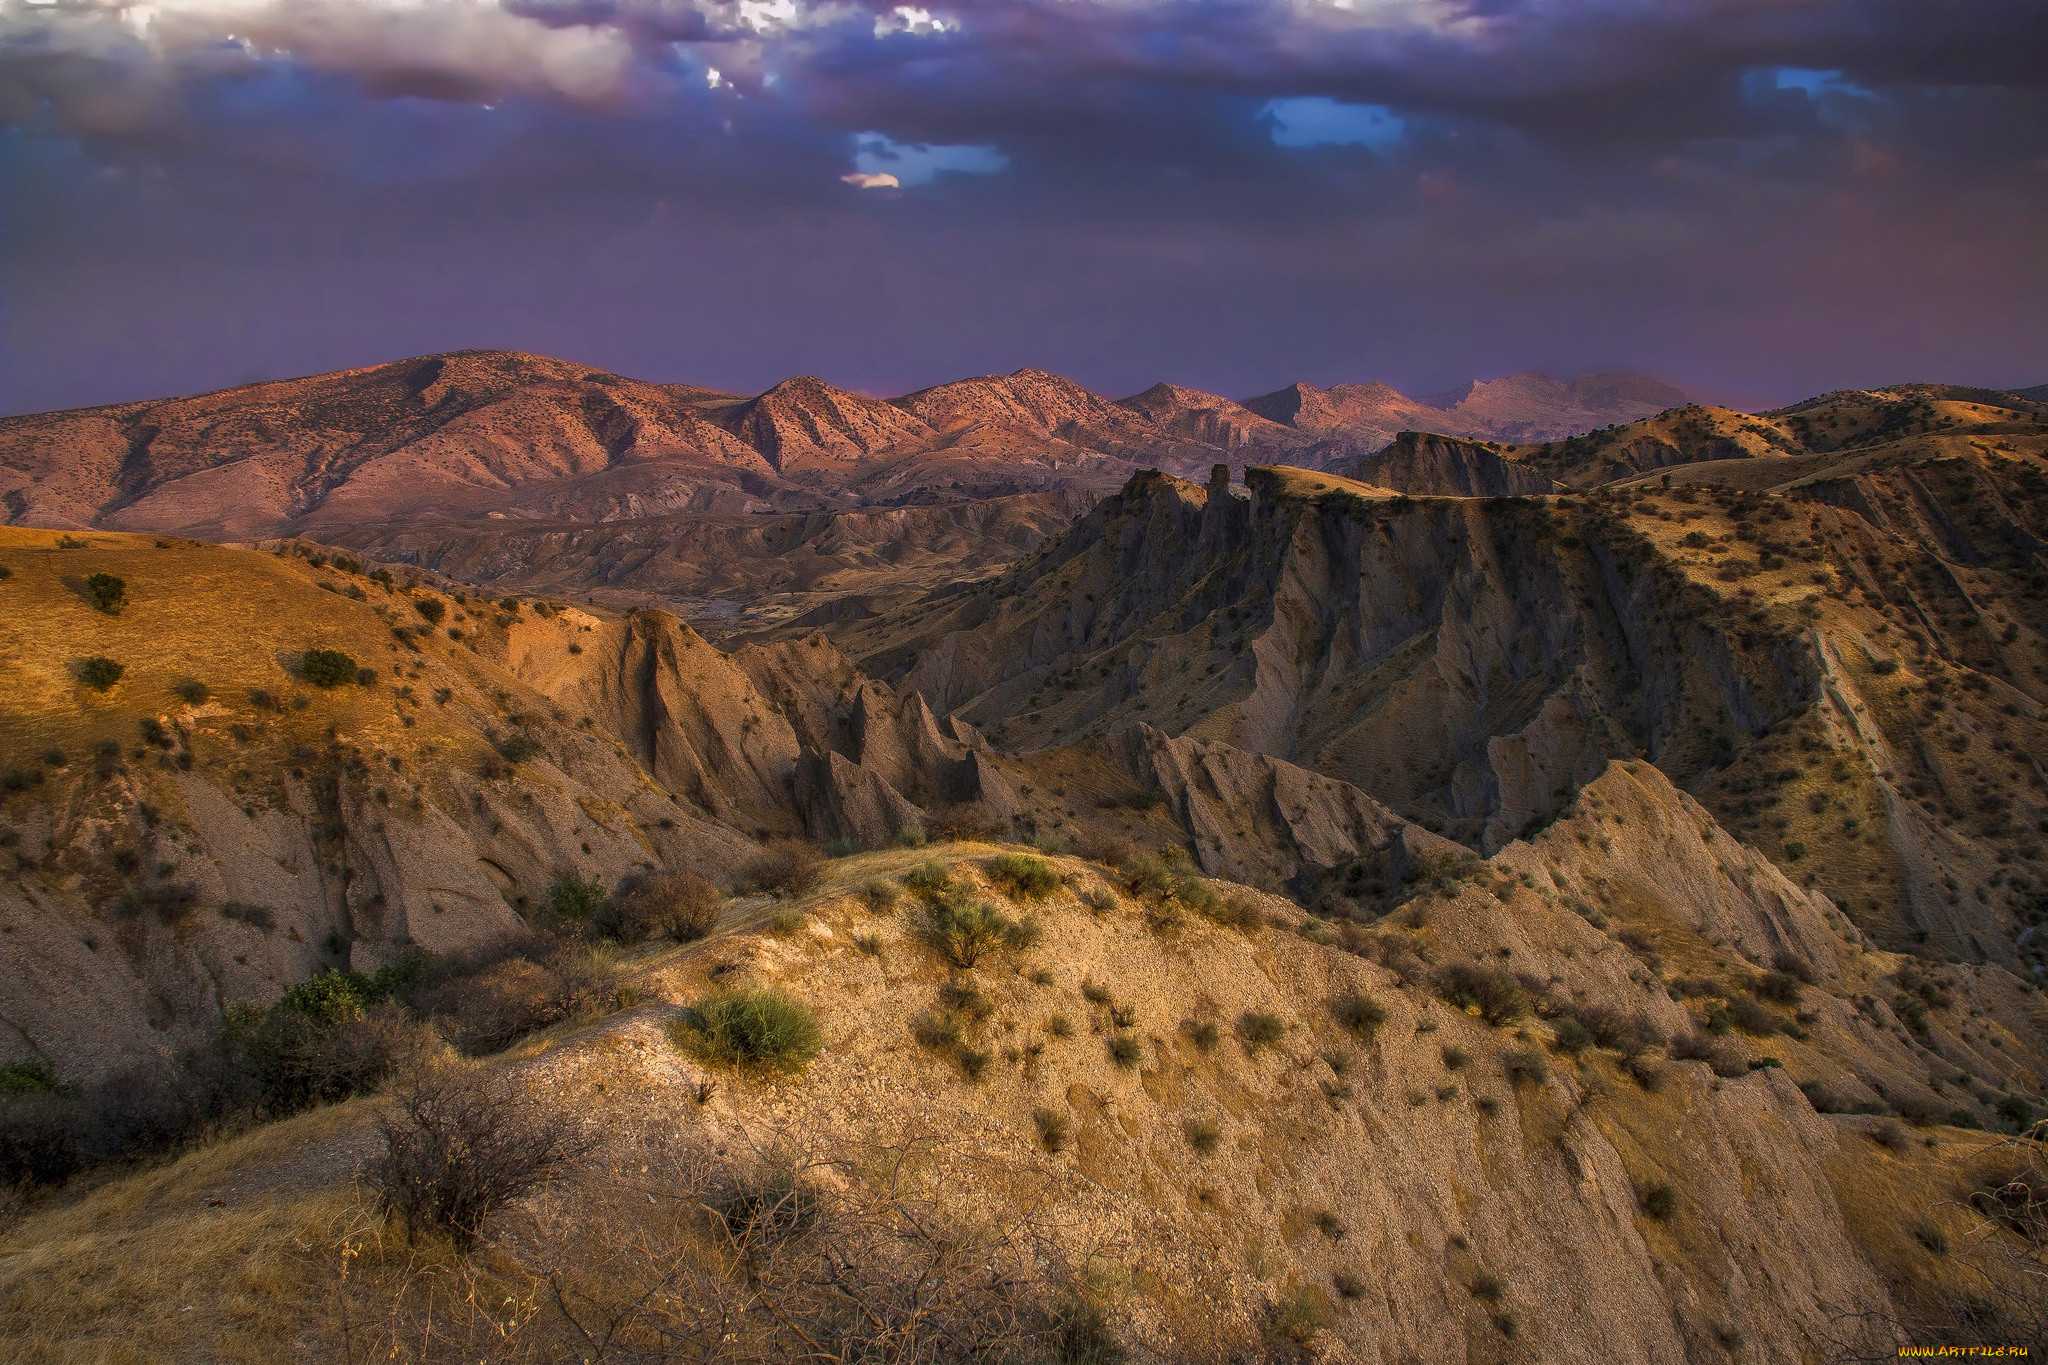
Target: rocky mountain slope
[
  {"x": 1849, "y": 672},
  {"x": 1358, "y": 419},
  {"x": 476, "y": 434},
  {"x": 1143, "y": 1134},
  {"x": 733, "y": 573}
]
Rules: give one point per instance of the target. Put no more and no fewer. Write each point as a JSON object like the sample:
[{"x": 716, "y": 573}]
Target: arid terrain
[{"x": 503, "y": 862}]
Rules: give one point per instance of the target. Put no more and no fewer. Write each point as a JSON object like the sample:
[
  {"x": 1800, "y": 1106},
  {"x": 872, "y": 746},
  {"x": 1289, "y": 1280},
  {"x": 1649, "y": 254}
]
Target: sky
[{"x": 1755, "y": 199}]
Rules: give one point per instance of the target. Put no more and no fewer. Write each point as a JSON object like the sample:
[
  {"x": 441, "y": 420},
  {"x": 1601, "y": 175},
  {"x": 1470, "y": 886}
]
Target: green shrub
[
  {"x": 432, "y": 608},
  {"x": 1572, "y": 1037},
  {"x": 1780, "y": 988},
  {"x": 1147, "y": 874},
  {"x": 1125, "y": 1050},
  {"x": 330, "y": 998},
  {"x": 1496, "y": 996},
  {"x": 1302, "y": 1312},
  {"x": 1053, "y": 1129},
  {"x": 1527, "y": 1066},
  {"x": 108, "y": 593},
  {"x": 786, "y": 869},
  {"x": 27, "y": 1078},
  {"x": 517, "y": 748},
  {"x": 1235, "y": 911},
  {"x": 964, "y": 932},
  {"x": 1023, "y": 876},
  {"x": 762, "y": 1028},
  {"x": 1198, "y": 895},
  {"x": 327, "y": 667},
  {"x": 1360, "y": 1013},
  {"x": 99, "y": 672},
  {"x": 880, "y": 895},
  {"x": 1258, "y": 1030},
  {"x": 929, "y": 878},
  {"x": 1204, "y": 1034}
]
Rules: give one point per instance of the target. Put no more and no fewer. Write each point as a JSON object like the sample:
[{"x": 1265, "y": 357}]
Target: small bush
[
  {"x": 1487, "y": 1287},
  {"x": 1349, "y": 1287},
  {"x": 327, "y": 667},
  {"x": 193, "y": 691},
  {"x": 929, "y": 878},
  {"x": 1527, "y": 1066},
  {"x": 964, "y": 932},
  {"x": 27, "y": 1078},
  {"x": 871, "y": 944},
  {"x": 432, "y": 608},
  {"x": 1053, "y": 1130},
  {"x": 107, "y": 592},
  {"x": 1491, "y": 993},
  {"x": 881, "y": 896},
  {"x": 1301, "y": 1313},
  {"x": 1147, "y": 874},
  {"x": 1360, "y": 1013},
  {"x": 1023, "y": 876},
  {"x": 517, "y": 748},
  {"x": 574, "y": 900},
  {"x": 1659, "y": 1201},
  {"x": 1059, "y": 1026},
  {"x": 1456, "y": 1058},
  {"x": 1753, "y": 1018},
  {"x": 99, "y": 672},
  {"x": 1257, "y": 1030},
  {"x": 1779, "y": 988},
  {"x": 672, "y": 905},
  {"x": 762, "y": 1028},
  {"x": 1203, "y": 1135},
  {"x": 1204, "y": 1034},
  {"x": 1572, "y": 1037},
  {"x": 1125, "y": 1050},
  {"x": 459, "y": 1147},
  {"x": 787, "y": 869}
]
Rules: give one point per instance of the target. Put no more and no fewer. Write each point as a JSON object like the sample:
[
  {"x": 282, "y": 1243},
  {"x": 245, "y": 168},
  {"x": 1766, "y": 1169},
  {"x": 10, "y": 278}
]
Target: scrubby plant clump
[
  {"x": 762, "y": 1028},
  {"x": 1023, "y": 875},
  {"x": 108, "y": 592},
  {"x": 1488, "y": 992},
  {"x": 671, "y": 905},
  {"x": 1360, "y": 1013},
  {"x": 574, "y": 900},
  {"x": 327, "y": 667},
  {"x": 99, "y": 672},
  {"x": 787, "y": 869},
  {"x": 965, "y": 931}
]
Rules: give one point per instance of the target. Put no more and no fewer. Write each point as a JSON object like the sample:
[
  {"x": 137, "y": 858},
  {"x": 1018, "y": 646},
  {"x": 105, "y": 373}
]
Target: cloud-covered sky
[{"x": 1757, "y": 199}]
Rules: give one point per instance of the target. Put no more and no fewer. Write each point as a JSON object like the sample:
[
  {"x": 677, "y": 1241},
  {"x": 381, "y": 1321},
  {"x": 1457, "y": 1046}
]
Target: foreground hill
[
  {"x": 1137, "y": 1134},
  {"x": 475, "y": 434}
]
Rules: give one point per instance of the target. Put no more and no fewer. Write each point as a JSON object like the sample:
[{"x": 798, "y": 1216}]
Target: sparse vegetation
[
  {"x": 460, "y": 1147},
  {"x": 1023, "y": 875},
  {"x": 1360, "y": 1013},
  {"x": 760, "y": 1028},
  {"x": 1488, "y": 992},
  {"x": 787, "y": 869},
  {"x": 327, "y": 667},
  {"x": 108, "y": 593},
  {"x": 1257, "y": 1030},
  {"x": 678, "y": 906},
  {"x": 99, "y": 672},
  {"x": 965, "y": 931}
]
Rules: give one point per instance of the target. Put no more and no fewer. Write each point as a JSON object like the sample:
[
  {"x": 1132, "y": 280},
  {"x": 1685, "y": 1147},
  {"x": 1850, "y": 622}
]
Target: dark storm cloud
[{"x": 1700, "y": 187}]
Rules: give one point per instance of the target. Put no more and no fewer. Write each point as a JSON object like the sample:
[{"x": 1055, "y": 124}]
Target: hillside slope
[
  {"x": 1850, "y": 673},
  {"x": 1186, "y": 1135}
]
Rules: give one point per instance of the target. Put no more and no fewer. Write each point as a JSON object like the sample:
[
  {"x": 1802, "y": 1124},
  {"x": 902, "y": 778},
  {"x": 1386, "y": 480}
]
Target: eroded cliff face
[
  {"x": 1472, "y": 661},
  {"x": 1467, "y": 661}
]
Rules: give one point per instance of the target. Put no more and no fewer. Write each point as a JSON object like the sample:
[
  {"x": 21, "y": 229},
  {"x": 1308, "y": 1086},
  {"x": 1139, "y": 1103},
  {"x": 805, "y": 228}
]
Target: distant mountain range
[{"x": 500, "y": 434}]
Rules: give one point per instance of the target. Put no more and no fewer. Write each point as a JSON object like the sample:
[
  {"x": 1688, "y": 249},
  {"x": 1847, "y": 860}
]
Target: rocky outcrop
[
  {"x": 1253, "y": 818},
  {"x": 1439, "y": 466}
]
